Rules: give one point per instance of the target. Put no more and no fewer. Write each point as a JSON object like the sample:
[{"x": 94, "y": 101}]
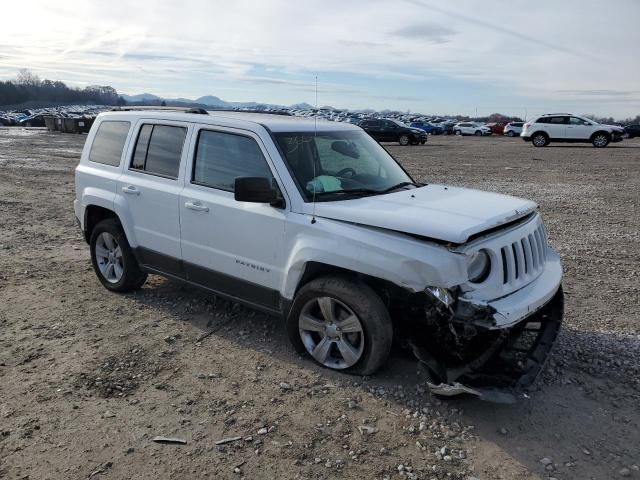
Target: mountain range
[{"x": 206, "y": 101}]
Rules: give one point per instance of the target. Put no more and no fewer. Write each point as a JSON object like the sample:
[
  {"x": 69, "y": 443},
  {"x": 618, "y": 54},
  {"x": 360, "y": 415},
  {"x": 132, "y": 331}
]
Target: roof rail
[
  {"x": 278, "y": 112},
  {"x": 137, "y": 108},
  {"x": 562, "y": 113}
]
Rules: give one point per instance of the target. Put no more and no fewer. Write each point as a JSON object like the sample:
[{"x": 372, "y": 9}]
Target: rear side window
[
  {"x": 109, "y": 142},
  {"x": 159, "y": 149},
  {"x": 222, "y": 157}
]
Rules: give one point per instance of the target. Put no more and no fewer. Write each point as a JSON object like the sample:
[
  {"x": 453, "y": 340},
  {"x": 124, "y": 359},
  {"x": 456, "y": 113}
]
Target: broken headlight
[{"x": 478, "y": 266}]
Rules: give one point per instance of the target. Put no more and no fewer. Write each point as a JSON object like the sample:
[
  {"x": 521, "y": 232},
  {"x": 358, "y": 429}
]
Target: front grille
[{"x": 524, "y": 259}]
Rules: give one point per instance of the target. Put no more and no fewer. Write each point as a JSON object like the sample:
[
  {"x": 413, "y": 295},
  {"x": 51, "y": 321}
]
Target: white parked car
[
  {"x": 513, "y": 129},
  {"x": 470, "y": 128},
  {"x": 569, "y": 128},
  {"x": 316, "y": 223}
]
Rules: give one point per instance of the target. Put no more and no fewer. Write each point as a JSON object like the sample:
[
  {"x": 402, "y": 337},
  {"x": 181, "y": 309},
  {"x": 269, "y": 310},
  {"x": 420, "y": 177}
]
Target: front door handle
[
  {"x": 197, "y": 206},
  {"x": 130, "y": 189}
]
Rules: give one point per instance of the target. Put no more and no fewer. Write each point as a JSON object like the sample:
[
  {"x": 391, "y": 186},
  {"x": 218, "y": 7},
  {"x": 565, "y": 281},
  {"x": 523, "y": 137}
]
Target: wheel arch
[
  {"x": 385, "y": 289},
  {"x": 598, "y": 132},
  {"x": 93, "y": 214}
]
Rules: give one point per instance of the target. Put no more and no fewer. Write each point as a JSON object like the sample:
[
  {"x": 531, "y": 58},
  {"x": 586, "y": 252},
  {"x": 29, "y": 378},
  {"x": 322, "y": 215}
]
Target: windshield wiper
[
  {"x": 355, "y": 191},
  {"x": 399, "y": 185}
]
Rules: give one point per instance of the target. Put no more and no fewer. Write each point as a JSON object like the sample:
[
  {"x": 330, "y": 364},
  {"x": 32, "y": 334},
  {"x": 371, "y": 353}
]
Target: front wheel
[
  {"x": 600, "y": 140},
  {"x": 478, "y": 133},
  {"x": 342, "y": 324},
  {"x": 112, "y": 258},
  {"x": 458, "y": 132},
  {"x": 404, "y": 140},
  {"x": 511, "y": 133},
  {"x": 422, "y": 142}
]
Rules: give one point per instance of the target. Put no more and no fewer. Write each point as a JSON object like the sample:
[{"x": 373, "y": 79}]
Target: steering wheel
[{"x": 344, "y": 171}]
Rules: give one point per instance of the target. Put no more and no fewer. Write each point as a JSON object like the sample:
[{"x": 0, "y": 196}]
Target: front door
[
  {"x": 232, "y": 247},
  {"x": 577, "y": 130}
]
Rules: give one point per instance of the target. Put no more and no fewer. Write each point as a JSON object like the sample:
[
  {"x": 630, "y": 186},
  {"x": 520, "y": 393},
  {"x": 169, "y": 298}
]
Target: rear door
[
  {"x": 150, "y": 187},
  {"x": 554, "y": 126},
  {"x": 229, "y": 246}
]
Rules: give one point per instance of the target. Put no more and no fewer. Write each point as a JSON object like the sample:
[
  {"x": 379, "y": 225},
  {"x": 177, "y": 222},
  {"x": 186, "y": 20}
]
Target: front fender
[{"x": 407, "y": 262}]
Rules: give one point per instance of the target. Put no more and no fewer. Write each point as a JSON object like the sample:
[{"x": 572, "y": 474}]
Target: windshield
[
  {"x": 398, "y": 122},
  {"x": 333, "y": 165}
]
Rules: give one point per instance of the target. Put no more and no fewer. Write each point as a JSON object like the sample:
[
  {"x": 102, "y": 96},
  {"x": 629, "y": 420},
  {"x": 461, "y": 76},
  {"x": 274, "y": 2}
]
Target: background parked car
[
  {"x": 384, "y": 130},
  {"x": 497, "y": 128},
  {"x": 566, "y": 127},
  {"x": 632, "y": 131},
  {"x": 470, "y": 128},
  {"x": 427, "y": 127},
  {"x": 513, "y": 129}
]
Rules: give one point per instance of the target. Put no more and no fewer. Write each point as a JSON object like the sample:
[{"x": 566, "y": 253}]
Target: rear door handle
[
  {"x": 130, "y": 189},
  {"x": 197, "y": 206}
]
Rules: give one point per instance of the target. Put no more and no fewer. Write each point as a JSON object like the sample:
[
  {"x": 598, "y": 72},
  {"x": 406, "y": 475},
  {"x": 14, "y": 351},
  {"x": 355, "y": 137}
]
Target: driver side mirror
[
  {"x": 257, "y": 190},
  {"x": 586, "y": 123}
]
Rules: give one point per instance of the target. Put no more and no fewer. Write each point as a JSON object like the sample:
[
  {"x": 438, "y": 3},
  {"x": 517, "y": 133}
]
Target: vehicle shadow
[{"x": 578, "y": 415}]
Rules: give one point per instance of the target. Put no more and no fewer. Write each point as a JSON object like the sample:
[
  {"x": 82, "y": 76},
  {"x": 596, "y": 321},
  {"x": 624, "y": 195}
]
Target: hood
[
  {"x": 612, "y": 127},
  {"x": 450, "y": 214}
]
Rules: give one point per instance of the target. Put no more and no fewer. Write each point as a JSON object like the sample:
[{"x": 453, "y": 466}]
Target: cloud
[
  {"x": 429, "y": 32},
  {"x": 367, "y": 53}
]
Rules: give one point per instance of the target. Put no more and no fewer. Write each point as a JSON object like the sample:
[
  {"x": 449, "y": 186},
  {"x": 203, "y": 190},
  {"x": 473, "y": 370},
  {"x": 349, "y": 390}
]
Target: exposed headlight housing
[{"x": 479, "y": 266}]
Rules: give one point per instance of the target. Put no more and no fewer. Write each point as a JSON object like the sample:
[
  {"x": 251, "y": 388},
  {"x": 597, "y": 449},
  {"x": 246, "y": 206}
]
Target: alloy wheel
[
  {"x": 331, "y": 332},
  {"x": 109, "y": 257}
]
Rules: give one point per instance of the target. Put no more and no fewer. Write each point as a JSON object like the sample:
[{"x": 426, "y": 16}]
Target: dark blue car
[{"x": 428, "y": 127}]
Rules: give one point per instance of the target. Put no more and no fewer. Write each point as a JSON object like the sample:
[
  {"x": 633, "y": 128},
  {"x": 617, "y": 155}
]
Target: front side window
[
  {"x": 222, "y": 157},
  {"x": 576, "y": 121},
  {"x": 329, "y": 165},
  {"x": 109, "y": 142},
  {"x": 159, "y": 149}
]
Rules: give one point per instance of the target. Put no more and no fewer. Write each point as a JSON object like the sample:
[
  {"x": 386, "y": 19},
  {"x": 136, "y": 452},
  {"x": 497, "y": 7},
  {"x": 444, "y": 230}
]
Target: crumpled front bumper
[{"x": 509, "y": 365}]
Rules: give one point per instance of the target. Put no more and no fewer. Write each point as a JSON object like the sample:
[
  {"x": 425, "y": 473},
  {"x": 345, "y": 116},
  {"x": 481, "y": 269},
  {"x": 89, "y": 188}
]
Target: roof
[{"x": 247, "y": 120}]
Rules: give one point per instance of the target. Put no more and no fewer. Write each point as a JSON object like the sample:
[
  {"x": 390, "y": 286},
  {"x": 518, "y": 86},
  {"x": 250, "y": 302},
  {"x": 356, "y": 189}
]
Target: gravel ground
[{"x": 88, "y": 378}]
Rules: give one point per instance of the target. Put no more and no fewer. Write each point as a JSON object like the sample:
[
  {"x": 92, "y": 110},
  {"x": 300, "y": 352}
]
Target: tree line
[{"x": 29, "y": 88}]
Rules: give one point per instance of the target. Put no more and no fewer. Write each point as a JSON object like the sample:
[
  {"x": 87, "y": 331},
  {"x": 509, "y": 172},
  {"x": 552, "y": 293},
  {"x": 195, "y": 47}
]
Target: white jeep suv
[
  {"x": 316, "y": 223},
  {"x": 568, "y": 128}
]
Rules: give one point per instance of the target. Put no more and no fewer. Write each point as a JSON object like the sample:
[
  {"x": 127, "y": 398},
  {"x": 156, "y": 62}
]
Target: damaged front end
[{"x": 463, "y": 350}]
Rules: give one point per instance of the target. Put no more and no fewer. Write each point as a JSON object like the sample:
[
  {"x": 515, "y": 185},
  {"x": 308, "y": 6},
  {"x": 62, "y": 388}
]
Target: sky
[{"x": 435, "y": 57}]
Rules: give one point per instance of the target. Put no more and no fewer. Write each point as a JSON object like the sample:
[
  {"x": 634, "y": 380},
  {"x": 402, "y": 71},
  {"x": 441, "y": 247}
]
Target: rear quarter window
[{"x": 108, "y": 142}]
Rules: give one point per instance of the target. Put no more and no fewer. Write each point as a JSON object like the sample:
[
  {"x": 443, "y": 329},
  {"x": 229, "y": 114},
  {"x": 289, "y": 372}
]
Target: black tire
[
  {"x": 364, "y": 302},
  {"x": 511, "y": 133},
  {"x": 540, "y": 139},
  {"x": 458, "y": 132},
  {"x": 600, "y": 139},
  {"x": 404, "y": 140},
  {"x": 422, "y": 142},
  {"x": 132, "y": 277},
  {"x": 478, "y": 133}
]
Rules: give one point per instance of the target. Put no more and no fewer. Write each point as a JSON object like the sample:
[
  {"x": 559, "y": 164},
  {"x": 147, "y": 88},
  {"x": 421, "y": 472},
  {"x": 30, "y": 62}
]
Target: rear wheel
[
  {"x": 342, "y": 324},
  {"x": 600, "y": 139},
  {"x": 112, "y": 258},
  {"x": 403, "y": 140},
  {"x": 540, "y": 140}
]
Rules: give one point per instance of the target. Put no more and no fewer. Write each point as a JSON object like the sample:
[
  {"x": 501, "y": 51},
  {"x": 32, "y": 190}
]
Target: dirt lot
[{"x": 88, "y": 378}]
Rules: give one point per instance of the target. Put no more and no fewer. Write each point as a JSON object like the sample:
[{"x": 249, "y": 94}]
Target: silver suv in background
[
  {"x": 569, "y": 128},
  {"x": 512, "y": 129}
]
